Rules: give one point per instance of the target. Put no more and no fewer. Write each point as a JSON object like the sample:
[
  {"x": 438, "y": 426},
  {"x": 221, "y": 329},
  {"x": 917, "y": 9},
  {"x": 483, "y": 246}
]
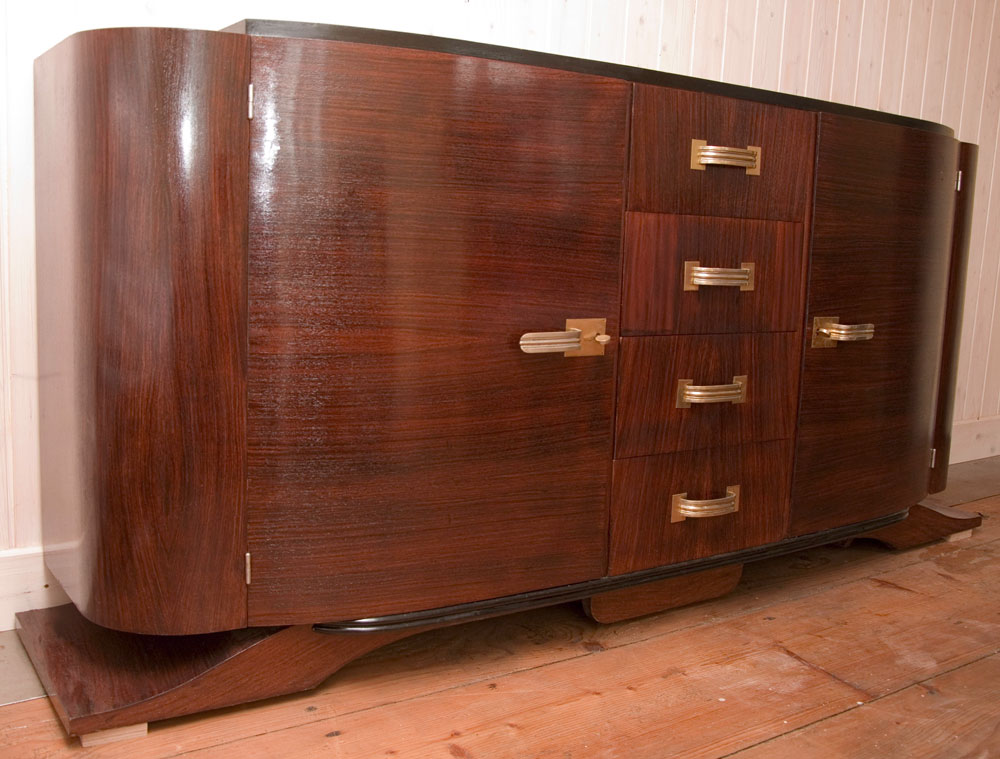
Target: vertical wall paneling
[
  {"x": 6, "y": 441},
  {"x": 675, "y": 36},
  {"x": 822, "y": 48},
  {"x": 890, "y": 88},
  {"x": 845, "y": 59},
  {"x": 869, "y": 75},
  {"x": 642, "y": 33},
  {"x": 957, "y": 63},
  {"x": 936, "y": 67},
  {"x": 981, "y": 52},
  {"x": 767, "y": 44},
  {"x": 568, "y": 21},
  {"x": 917, "y": 39},
  {"x": 795, "y": 50},
  {"x": 737, "y": 61},
  {"x": 709, "y": 38},
  {"x": 606, "y": 35},
  {"x": 982, "y": 281}
]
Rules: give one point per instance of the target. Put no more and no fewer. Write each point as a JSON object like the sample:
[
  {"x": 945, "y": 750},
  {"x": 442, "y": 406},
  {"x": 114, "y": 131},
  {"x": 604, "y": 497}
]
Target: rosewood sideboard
[{"x": 347, "y": 334}]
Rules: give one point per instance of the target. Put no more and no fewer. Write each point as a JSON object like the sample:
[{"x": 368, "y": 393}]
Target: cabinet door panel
[
  {"x": 412, "y": 214},
  {"x": 884, "y": 202}
]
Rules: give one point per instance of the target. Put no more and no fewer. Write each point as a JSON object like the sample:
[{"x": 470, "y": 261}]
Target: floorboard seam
[{"x": 874, "y": 699}]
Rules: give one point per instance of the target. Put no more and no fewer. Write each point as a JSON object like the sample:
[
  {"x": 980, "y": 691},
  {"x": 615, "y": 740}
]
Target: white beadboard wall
[{"x": 933, "y": 59}]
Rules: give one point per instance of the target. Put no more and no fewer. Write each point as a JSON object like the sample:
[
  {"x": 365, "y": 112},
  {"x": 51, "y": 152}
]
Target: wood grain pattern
[
  {"x": 99, "y": 679},
  {"x": 664, "y": 121},
  {"x": 653, "y": 597},
  {"x": 404, "y": 693},
  {"x": 925, "y": 523},
  {"x": 881, "y": 245},
  {"x": 642, "y": 535},
  {"x": 653, "y": 296},
  {"x": 953, "y": 714},
  {"x": 648, "y": 420},
  {"x": 410, "y": 221},
  {"x": 957, "y": 270},
  {"x": 141, "y": 242}
]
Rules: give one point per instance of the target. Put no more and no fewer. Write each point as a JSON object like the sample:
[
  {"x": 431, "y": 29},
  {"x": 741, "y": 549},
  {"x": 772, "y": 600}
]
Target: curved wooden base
[
  {"x": 100, "y": 679},
  {"x": 652, "y": 597},
  {"x": 925, "y": 523}
]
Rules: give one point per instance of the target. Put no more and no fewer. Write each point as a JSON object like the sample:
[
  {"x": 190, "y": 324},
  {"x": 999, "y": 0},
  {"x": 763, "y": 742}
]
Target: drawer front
[
  {"x": 649, "y": 492},
  {"x": 667, "y": 256},
  {"x": 649, "y": 419},
  {"x": 661, "y": 177}
]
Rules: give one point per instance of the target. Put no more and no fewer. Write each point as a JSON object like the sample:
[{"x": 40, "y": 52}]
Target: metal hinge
[
  {"x": 250, "y": 103},
  {"x": 958, "y": 182},
  {"x": 247, "y": 564},
  {"x": 933, "y": 461}
]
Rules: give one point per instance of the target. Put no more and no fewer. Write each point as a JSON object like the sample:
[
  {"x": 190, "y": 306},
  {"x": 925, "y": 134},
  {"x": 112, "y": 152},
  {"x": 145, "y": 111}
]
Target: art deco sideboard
[{"x": 348, "y": 334}]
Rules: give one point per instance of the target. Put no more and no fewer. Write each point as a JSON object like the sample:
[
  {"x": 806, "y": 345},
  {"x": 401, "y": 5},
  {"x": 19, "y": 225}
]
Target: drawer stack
[{"x": 713, "y": 284}]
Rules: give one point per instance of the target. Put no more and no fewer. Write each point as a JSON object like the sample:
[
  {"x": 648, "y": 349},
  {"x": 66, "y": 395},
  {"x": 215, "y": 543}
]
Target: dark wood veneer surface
[
  {"x": 413, "y": 214},
  {"x": 336, "y": 32},
  {"x": 664, "y": 121},
  {"x": 642, "y": 535},
  {"x": 958, "y": 267},
  {"x": 141, "y": 170},
  {"x": 657, "y": 245},
  {"x": 647, "y": 418},
  {"x": 884, "y": 201}
]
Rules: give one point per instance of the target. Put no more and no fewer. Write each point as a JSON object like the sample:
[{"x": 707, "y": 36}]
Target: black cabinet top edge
[{"x": 269, "y": 28}]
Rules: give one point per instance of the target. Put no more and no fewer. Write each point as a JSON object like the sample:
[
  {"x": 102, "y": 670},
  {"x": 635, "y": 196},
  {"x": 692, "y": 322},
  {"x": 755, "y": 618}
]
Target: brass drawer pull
[
  {"x": 681, "y": 508},
  {"x": 688, "y": 393},
  {"x": 827, "y": 332},
  {"x": 696, "y": 275},
  {"x": 703, "y": 154},
  {"x": 582, "y": 337}
]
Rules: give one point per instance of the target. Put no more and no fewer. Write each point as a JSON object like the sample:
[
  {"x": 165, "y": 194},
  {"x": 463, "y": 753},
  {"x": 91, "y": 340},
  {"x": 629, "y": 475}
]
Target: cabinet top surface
[{"x": 306, "y": 30}]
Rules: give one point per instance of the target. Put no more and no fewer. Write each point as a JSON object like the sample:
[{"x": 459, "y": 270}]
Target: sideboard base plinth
[
  {"x": 100, "y": 679},
  {"x": 925, "y": 524}
]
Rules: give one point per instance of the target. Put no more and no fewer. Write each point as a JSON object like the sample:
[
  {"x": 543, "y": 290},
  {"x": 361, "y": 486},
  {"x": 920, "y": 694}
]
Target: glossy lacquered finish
[
  {"x": 642, "y": 534},
  {"x": 948, "y": 376},
  {"x": 141, "y": 170},
  {"x": 881, "y": 241},
  {"x": 664, "y": 121},
  {"x": 654, "y": 301},
  {"x": 648, "y": 420},
  {"x": 409, "y": 222}
]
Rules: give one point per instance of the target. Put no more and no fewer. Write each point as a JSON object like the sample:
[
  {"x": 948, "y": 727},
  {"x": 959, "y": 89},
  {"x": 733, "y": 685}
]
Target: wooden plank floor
[{"x": 834, "y": 652}]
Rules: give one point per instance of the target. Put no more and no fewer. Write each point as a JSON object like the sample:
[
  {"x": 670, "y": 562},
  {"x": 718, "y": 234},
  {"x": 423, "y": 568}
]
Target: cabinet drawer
[
  {"x": 649, "y": 418},
  {"x": 661, "y": 177},
  {"x": 661, "y": 290},
  {"x": 645, "y": 491}
]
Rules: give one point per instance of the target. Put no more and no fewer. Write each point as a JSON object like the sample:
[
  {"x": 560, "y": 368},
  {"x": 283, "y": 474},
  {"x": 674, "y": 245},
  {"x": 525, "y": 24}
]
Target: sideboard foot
[
  {"x": 105, "y": 685},
  {"x": 927, "y": 523},
  {"x": 652, "y": 597}
]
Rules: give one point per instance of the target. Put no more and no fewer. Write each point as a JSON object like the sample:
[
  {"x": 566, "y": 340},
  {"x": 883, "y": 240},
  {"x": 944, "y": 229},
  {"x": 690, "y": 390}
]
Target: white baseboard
[
  {"x": 25, "y": 584},
  {"x": 975, "y": 439}
]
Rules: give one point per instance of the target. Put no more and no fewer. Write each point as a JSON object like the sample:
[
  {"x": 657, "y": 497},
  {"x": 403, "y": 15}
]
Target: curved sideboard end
[{"x": 141, "y": 176}]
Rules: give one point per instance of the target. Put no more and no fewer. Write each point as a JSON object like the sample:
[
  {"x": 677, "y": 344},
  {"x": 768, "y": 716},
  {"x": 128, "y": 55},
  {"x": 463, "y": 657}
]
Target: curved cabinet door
[
  {"x": 884, "y": 203},
  {"x": 412, "y": 215}
]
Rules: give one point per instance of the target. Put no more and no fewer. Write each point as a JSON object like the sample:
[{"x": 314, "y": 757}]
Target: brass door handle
[
  {"x": 582, "y": 337},
  {"x": 696, "y": 275},
  {"x": 682, "y": 508},
  {"x": 827, "y": 332},
  {"x": 688, "y": 393},
  {"x": 703, "y": 154}
]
